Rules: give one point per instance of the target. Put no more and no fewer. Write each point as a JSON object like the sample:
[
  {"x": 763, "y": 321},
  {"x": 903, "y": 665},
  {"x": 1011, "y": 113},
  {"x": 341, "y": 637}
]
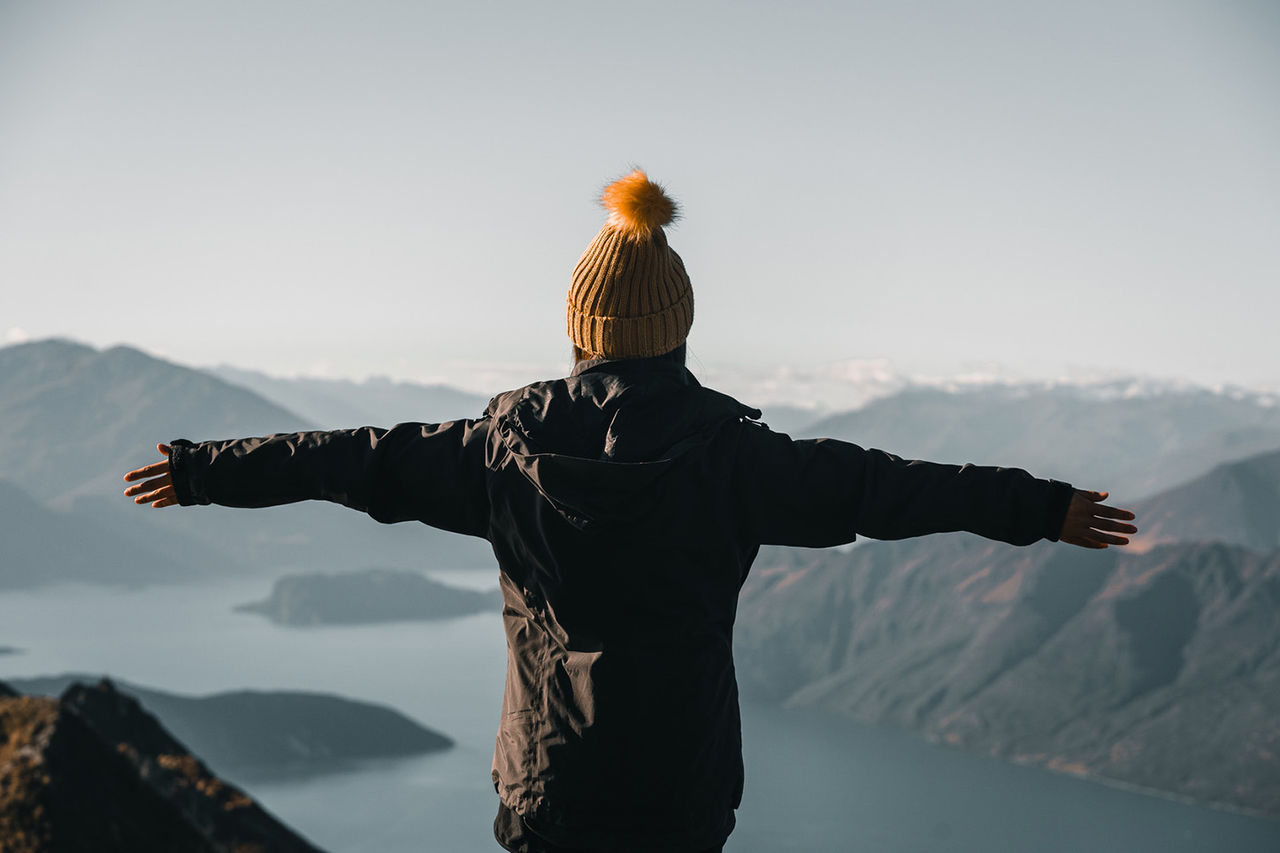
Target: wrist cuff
[
  {"x": 1056, "y": 509},
  {"x": 186, "y": 472}
]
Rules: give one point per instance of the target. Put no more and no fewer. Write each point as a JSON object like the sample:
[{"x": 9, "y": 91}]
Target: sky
[{"x": 1026, "y": 189}]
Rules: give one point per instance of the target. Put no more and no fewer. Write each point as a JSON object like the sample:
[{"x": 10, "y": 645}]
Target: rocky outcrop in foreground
[
  {"x": 372, "y": 595},
  {"x": 94, "y": 771},
  {"x": 1159, "y": 669}
]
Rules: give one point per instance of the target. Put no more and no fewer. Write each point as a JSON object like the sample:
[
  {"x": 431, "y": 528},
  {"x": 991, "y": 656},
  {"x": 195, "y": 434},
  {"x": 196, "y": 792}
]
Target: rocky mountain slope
[
  {"x": 254, "y": 733},
  {"x": 1157, "y": 668},
  {"x": 1237, "y": 502},
  {"x": 94, "y": 771}
]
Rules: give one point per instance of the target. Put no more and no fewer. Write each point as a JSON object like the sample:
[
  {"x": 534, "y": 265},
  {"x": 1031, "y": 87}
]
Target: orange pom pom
[{"x": 637, "y": 206}]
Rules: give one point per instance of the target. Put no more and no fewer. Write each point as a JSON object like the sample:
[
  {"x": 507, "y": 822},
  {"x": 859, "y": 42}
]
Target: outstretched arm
[
  {"x": 820, "y": 492},
  {"x": 434, "y": 473}
]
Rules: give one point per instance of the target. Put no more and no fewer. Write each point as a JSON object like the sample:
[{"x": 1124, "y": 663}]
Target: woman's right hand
[{"x": 158, "y": 488}]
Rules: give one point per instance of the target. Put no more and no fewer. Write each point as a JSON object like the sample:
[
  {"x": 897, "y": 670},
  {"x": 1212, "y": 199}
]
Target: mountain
[
  {"x": 74, "y": 419},
  {"x": 256, "y": 733},
  {"x": 1159, "y": 669},
  {"x": 1238, "y": 503},
  {"x": 1156, "y": 665},
  {"x": 372, "y": 595},
  {"x": 378, "y": 401},
  {"x": 1129, "y": 444},
  {"x": 94, "y": 771}
]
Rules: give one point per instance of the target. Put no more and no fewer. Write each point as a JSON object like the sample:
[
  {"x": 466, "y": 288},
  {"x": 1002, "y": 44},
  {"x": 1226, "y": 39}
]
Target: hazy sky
[{"x": 404, "y": 187}]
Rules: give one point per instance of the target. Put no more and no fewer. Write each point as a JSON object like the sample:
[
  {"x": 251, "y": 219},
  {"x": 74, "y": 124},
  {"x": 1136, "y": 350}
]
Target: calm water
[{"x": 813, "y": 783}]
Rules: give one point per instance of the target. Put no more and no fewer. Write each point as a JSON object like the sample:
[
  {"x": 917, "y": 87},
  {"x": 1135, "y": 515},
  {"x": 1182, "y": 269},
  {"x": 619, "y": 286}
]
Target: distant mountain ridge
[
  {"x": 845, "y": 386},
  {"x": 378, "y": 401},
  {"x": 1236, "y": 502},
  {"x": 1131, "y": 446},
  {"x": 74, "y": 419}
]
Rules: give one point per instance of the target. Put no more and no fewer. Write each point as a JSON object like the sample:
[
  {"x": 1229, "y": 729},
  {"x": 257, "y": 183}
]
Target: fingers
[
  {"x": 149, "y": 486},
  {"x": 1113, "y": 526},
  {"x": 147, "y": 471},
  {"x": 1091, "y": 521},
  {"x": 1096, "y": 540},
  {"x": 1105, "y": 511},
  {"x": 1090, "y": 524},
  {"x": 1093, "y": 539},
  {"x": 157, "y": 489},
  {"x": 1082, "y": 542},
  {"x": 152, "y": 469},
  {"x": 163, "y": 493}
]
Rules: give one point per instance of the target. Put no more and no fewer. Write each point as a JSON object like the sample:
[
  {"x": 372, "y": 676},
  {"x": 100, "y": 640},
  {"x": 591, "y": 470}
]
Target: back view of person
[{"x": 625, "y": 504}]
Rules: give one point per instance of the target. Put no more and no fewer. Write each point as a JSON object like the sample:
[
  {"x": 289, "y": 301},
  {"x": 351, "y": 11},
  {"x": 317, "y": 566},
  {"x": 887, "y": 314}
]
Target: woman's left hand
[
  {"x": 1091, "y": 523},
  {"x": 158, "y": 490}
]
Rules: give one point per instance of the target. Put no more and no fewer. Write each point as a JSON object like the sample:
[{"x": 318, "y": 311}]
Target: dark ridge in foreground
[
  {"x": 94, "y": 771},
  {"x": 372, "y": 595},
  {"x": 250, "y": 733}
]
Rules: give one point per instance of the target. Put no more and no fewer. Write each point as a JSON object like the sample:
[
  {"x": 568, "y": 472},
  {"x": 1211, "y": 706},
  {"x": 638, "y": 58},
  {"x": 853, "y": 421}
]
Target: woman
[{"x": 625, "y": 504}]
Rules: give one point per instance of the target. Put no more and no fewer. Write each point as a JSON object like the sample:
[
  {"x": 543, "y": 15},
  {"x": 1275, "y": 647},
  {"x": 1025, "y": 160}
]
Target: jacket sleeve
[
  {"x": 824, "y": 492},
  {"x": 433, "y": 473}
]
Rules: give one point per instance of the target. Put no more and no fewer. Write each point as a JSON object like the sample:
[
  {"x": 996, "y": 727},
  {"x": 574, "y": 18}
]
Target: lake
[{"x": 814, "y": 782}]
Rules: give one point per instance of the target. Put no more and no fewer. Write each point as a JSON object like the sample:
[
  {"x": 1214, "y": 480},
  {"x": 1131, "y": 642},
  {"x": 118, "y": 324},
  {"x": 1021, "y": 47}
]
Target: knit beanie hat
[{"x": 630, "y": 296}]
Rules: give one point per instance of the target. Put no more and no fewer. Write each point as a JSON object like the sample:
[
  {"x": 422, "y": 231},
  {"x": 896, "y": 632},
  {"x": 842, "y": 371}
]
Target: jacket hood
[{"x": 596, "y": 443}]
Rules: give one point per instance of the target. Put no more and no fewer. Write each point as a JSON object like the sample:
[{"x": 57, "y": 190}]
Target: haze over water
[{"x": 813, "y": 782}]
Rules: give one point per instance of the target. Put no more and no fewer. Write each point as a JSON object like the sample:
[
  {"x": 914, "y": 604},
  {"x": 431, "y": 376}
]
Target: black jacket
[{"x": 625, "y": 505}]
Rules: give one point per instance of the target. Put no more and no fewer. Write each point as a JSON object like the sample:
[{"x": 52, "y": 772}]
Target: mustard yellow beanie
[{"x": 630, "y": 296}]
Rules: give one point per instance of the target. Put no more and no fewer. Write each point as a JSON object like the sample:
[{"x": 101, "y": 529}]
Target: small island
[
  {"x": 263, "y": 734},
  {"x": 369, "y": 596},
  {"x": 10, "y": 650}
]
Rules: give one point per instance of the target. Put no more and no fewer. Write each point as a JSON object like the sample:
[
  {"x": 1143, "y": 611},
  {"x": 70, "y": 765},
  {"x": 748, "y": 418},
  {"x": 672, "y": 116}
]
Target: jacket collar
[{"x": 654, "y": 365}]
